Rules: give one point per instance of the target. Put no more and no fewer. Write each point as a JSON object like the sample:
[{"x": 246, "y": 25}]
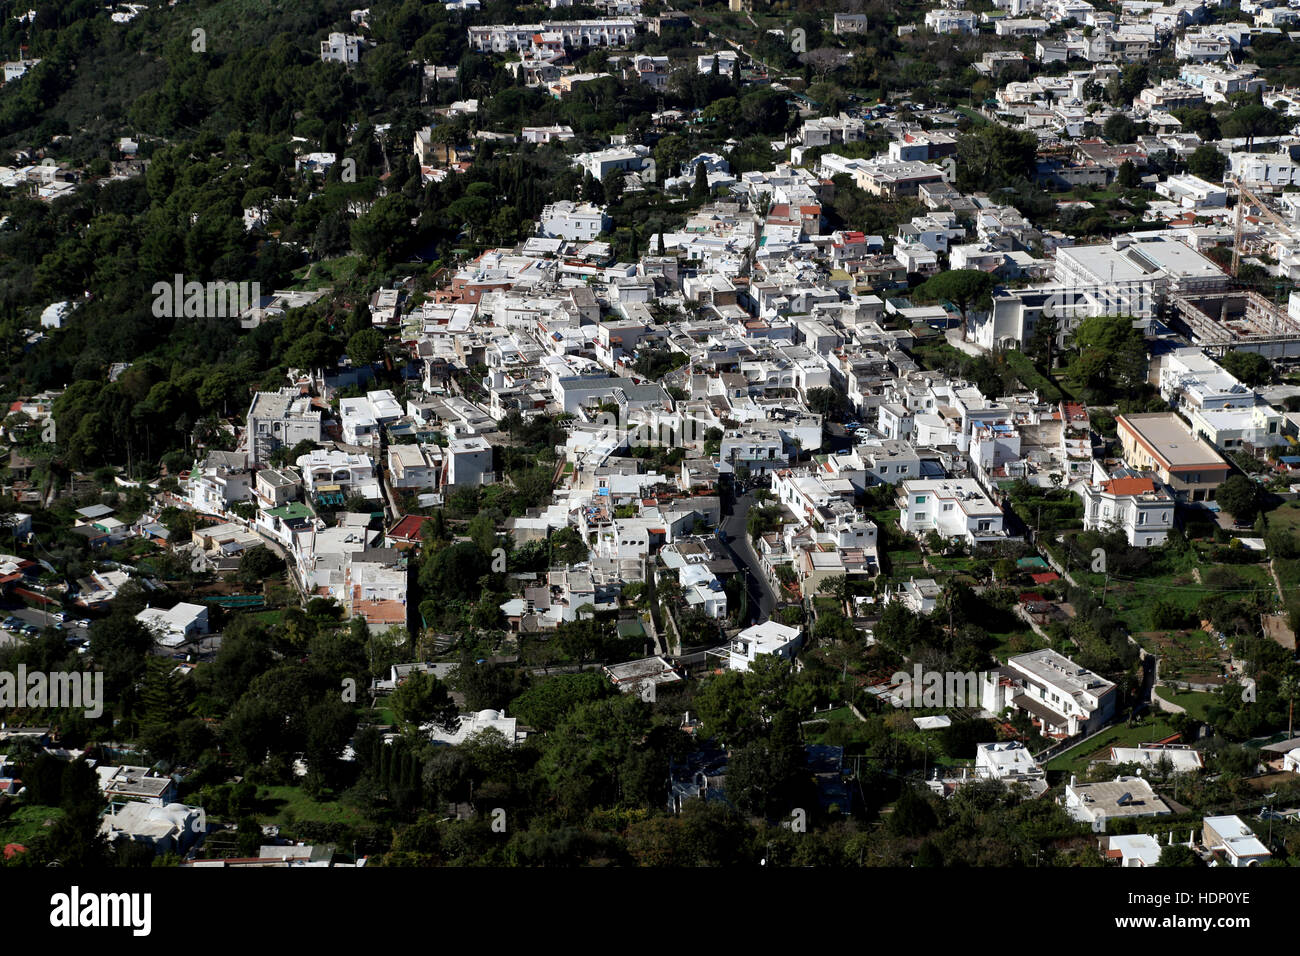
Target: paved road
[{"x": 761, "y": 596}]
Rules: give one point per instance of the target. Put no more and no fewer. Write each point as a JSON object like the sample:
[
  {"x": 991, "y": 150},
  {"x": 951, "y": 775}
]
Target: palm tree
[{"x": 670, "y": 591}]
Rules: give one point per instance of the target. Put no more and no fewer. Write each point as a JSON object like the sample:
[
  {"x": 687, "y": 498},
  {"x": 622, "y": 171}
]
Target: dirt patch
[
  {"x": 1267, "y": 781},
  {"x": 1276, "y": 628}
]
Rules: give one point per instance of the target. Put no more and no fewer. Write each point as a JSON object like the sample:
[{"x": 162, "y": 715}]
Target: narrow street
[{"x": 762, "y": 599}]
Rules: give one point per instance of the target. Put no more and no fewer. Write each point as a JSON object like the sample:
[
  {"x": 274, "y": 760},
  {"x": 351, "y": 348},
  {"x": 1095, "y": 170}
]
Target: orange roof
[{"x": 1129, "y": 486}]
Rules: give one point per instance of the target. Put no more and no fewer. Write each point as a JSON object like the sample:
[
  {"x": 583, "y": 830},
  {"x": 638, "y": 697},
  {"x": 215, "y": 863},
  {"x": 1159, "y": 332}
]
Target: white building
[
  {"x": 415, "y": 466},
  {"x": 469, "y": 462},
  {"x": 1190, "y": 379},
  {"x": 1138, "y": 506},
  {"x": 954, "y": 507},
  {"x": 824, "y": 130},
  {"x": 341, "y": 48},
  {"x": 1010, "y": 762},
  {"x": 726, "y": 60},
  {"x": 577, "y": 35},
  {"x": 1177, "y": 758},
  {"x": 173, "y": 626},
  {"x": 947, "y": 20},
  {"x": 1095, "y": 803},
  {"x": 1252, "y": 428},
  {"x": 574, "y": 221},
  {"x": 219, "y": 481},
  {"x": 339, "y": 471},
  {"x": 1134, "y": 849},
  {"x": 1236, "y": 841},
  {"x": 136, "y": 783},
  {"x": 1064, "y": 698},
  {"x": 602, "y": 161},
  {"x": 546, "y": 134},
  {"x": 278, "y": 420},
  {"x": 1277, "y": 170},
  {"x": 470, "y": 724},
  {"x": 1218, "y": 83},
  {"x": 358, "y": 421},
  {"x": 173, "y": 828},
  {"x": 769, "y": 637},
  {"x": 1151, "y": 263},
  {"x": 1193, "y": 192}
]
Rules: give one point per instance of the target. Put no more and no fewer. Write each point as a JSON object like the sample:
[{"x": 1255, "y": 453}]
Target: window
[
  {"x": 920, "y": 499},
  {"x": 1142, "y": 517},
  {"x": 947, "y": 507}
]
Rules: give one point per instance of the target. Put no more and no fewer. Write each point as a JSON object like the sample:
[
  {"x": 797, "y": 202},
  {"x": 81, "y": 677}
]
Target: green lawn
[
  {"x": 327, "y": 273},
  {"x": 268, "y": 618},
  {"x": 1285, "y": 517},
  {"x": 1028, "y": 641},
  {"x": 841, "y": 727},
  {"x": 976, "y": 567},
  {"x": 1288, "y": 571},
  {"x": 283, "y": 805},
  {"x": 27, "y": 823},
  {"x": 1252, "y": 576},
  {"x": 1132, "y": 600},
  {"x": 1196, "y": 703},
  {"x": 1076, "y": 759},
  {"x": 906, "y": 564}
]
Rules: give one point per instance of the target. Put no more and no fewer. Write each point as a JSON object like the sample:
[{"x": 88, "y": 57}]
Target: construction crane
[{"x": 1244, "y": 193}]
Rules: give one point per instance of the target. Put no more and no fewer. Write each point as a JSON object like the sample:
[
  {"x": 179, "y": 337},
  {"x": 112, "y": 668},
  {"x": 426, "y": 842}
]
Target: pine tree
[
  {"x": 161, "y": 701},
  {"x": 701, "y": 188}
]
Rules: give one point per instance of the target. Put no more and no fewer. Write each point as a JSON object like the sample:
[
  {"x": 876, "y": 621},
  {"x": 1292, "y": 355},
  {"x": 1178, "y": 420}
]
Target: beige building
[{"x": 1160, "y": 442}]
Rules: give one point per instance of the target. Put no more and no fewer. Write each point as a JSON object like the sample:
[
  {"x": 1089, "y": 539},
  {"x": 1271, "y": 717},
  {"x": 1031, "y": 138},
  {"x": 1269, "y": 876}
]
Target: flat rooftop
[
  {"x": 1125, "y": 797},
  {"x": 1168, "y": 438},
  {"x": 1060, "y": 672}
]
